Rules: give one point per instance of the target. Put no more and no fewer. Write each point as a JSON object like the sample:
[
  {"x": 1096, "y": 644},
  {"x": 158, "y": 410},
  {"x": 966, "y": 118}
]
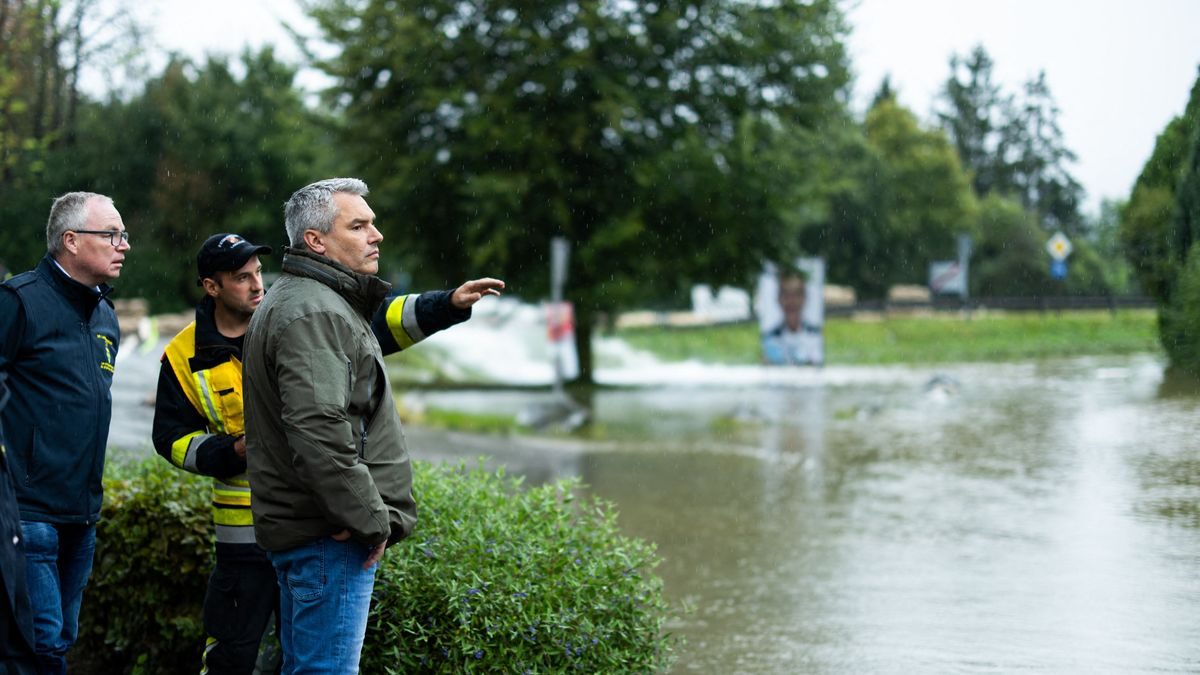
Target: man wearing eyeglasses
[{"x": 58, "y": 346}]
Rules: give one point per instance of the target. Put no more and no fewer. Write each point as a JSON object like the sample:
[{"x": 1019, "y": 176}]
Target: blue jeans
[
  {"x": 324, "y": 596},
  {"x": 58, "y": 560}
]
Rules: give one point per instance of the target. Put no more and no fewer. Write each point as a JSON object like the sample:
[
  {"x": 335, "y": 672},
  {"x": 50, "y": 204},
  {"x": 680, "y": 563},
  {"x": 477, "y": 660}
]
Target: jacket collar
[
  {"x": 83, "y": 297},
  {"x": 364, "y": 292},
  {"x": 207, "y": 335}
]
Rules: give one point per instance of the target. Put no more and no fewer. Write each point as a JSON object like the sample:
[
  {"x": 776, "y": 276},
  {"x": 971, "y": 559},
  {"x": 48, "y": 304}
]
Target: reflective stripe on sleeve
[
  {"x": 183, "y": 451},
  {"x": 402, "y": 321},
  {"x": 237, "y": 534}
]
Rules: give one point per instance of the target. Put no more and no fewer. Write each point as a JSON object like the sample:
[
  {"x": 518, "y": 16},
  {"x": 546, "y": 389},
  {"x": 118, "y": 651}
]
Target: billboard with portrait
[{"x": 790, "y": 304}]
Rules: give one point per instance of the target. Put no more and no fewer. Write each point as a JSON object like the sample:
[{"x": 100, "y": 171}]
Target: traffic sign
[
  {"x": 1059, "y": 247},
  {"x": 1058, "y": 269}
]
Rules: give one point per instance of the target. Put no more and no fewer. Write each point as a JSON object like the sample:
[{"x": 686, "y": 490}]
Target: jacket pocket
[{"x": 226, "y": 382}]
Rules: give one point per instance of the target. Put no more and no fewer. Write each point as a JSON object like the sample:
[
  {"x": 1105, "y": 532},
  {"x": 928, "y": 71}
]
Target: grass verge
[{"x": 935, "y": 339}]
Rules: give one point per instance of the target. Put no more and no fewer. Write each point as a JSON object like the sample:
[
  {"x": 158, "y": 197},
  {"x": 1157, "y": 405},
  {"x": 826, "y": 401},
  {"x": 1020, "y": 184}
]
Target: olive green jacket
[{"x": 324, "y": 448}]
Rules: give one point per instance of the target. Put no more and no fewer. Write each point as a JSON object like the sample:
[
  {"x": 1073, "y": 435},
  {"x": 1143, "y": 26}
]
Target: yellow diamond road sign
[{"x": 1059, "y": 246}]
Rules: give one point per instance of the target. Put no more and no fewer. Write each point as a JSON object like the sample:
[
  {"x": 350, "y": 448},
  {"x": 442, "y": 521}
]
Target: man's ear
[
  {"x": 211, "y": 287},
  {"x": 70, "y": 241},
  {"x": 314, "y": 241}
]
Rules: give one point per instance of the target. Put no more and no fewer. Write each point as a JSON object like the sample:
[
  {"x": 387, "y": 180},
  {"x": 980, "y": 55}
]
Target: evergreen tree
[
  {"x": 1037, "y": 169},
  {"x": 1012, "y": 147},
  {"x": 885, "y": 92},
  {"x": 1153, "y": 241},
  {"x": 975, "y": 114}
]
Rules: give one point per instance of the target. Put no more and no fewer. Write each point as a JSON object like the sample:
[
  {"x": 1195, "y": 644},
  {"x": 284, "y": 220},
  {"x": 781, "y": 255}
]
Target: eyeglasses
[{"x": 111, "y": 234}]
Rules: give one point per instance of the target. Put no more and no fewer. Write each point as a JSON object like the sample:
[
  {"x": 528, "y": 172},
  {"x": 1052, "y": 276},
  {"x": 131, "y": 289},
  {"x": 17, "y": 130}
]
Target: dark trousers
[{"x": 242, "y": 597}]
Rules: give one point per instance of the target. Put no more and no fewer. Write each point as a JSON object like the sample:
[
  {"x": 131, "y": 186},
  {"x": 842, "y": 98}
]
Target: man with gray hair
[
  {"x": 325, "y": 454},
  {"x": 58, "y": 348}
]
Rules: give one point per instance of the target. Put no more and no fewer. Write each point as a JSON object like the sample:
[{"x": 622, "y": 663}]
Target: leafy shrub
[
  {"x": 141, "y": 609},
  {"x": 1179, "y": 320},
  {"x": 497, "y": 579}
]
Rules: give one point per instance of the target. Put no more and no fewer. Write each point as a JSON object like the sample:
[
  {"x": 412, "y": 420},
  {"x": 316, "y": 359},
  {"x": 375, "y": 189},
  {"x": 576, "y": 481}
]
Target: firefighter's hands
[
  {"x": 239, "y": 446},
  {"x": 473, "y": 291}
]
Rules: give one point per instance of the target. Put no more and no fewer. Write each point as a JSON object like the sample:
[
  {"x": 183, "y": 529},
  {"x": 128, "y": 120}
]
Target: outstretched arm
[{"x": 404, "y": 320}]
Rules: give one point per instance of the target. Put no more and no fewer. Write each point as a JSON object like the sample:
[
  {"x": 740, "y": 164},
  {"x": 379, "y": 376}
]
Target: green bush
[
  {"x": 141, "y": 609},
  {"x": 1179, "y": 320},
  {"x": 498, "y": 579},
  {"x": 495, "y": 578}
]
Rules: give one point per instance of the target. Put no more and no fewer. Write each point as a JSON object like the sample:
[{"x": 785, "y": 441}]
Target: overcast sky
[{"x": 1119, "y": 69}]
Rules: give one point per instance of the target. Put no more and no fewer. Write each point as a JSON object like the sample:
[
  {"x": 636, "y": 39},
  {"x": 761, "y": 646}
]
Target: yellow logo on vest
[{"x": 107, "y": 364}]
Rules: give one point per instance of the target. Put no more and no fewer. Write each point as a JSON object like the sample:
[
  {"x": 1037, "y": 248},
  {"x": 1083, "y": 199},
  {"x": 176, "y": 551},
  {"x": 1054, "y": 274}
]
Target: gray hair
[
  {"x": 312, "y": 206},
  {"x": 69, "y": 212}
]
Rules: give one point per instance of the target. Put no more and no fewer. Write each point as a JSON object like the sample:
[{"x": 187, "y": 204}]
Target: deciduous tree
[{"x": 487, "y": 127}]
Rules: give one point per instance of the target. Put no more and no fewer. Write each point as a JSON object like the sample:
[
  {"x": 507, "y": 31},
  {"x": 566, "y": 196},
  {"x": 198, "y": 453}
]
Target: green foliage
[
  {"x": 1147, "y": 231},
  {"x": 1034, "y": 155},
  {"x": 45, "y": 46},
  {"x": 1009, "y": 258},
  {"x": 1144, "y": 224},
  {"x": 942, "y": 339},
  {"x": 1012, "y": 147},
  {"x": 492, "y": 127},
  {"x": 729, "y": 212},
  {"x": 973, "y": 117},
  {"x": 1106, "y": 237},
  {"x": 497, "y": 579},
  {"x": 1179, "y": 321},
  {"x": 928, "y": 199},
  {"x": 530, "y": 579},
  {"x": 199, "y": 151},
  {"x": 218, "y": 154},
  {"x": 1160, "y": 228},
  {"x": 141, "y": 610}
]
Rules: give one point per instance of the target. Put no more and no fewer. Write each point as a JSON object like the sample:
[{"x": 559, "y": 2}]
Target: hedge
[{"x": 496, "y": 578}]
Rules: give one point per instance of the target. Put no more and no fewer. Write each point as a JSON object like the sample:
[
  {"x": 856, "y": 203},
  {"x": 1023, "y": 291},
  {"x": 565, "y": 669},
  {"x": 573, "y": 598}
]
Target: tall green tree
[
  {"x": 1153, "y": 243},
  {"x": 843, "y": 215},
  {"x": 45, "y": 46},
  {"x": 202, "y": 149},
  {"x": 1012, "y": 146},
  {"x": 928, "y": 195},
  {"x": 1179, "y": 319},
  {"x": 1160, "y": 230},
  {"x": 1037, "y": 169},
  {"x": 975, "y": 112},
  {"x": 487, "y": 127}
]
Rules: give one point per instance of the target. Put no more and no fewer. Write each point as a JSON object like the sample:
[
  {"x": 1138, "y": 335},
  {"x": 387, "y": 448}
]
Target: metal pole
[{"x": 559, "y": 255}]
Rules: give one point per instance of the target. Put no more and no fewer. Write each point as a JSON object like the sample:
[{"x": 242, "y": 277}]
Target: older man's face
[
  {"x": 96, "y": 259},
  {"x": 353, "y": 240}
]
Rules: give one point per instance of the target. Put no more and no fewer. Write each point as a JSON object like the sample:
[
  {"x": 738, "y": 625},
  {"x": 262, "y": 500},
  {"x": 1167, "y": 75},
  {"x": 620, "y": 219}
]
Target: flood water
[{"x": 1037, "y": 517}]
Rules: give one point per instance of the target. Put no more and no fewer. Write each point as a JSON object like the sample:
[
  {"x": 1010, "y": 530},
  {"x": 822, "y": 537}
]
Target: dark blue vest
[{"x": 56, "y": 422}]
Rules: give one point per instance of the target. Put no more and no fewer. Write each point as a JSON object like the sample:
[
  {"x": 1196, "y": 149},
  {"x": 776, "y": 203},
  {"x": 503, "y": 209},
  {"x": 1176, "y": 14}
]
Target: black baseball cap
[{"x": 225, "y": 253}]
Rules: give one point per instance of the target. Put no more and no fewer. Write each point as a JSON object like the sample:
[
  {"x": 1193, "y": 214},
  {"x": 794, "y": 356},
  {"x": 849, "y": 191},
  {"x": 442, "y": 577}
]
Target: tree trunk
[
  {"x": 42, "y": 71},
  {"x": 585, "y": 322}
]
